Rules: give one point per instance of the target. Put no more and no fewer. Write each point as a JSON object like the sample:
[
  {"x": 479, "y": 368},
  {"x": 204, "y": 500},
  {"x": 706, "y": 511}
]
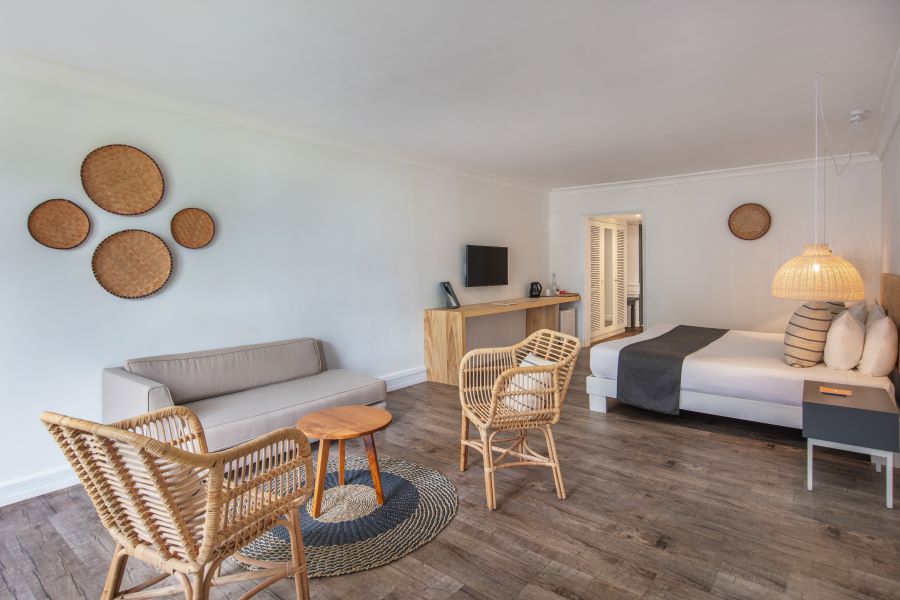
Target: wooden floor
[{"x": 687, "y": 507}]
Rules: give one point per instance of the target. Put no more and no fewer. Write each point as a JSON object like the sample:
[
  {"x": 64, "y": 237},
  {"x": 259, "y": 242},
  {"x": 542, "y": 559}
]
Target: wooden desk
[{"x": 445, "y": 329}]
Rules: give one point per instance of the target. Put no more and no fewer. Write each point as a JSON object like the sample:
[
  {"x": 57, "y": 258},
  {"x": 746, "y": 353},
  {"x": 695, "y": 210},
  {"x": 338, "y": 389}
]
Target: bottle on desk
[{"x": 553, "y": 290}]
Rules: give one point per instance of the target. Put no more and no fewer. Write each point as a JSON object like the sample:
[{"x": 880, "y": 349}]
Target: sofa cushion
[
  {"x": 209, "y": 373},
  {"x": 235, "y": 418}
]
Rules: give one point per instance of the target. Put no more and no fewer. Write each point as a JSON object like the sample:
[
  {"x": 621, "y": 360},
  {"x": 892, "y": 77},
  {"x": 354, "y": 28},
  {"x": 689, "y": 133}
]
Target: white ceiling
[{"x": 556, "y": 93}]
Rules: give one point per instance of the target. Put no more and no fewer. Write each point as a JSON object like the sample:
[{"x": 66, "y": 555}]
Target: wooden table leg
[
  {"x": 542, "y": 317},
  {"x": 321, "y": 472},
  {"x": 369, "y": 441},
  {"x": 340, "y": 462}
]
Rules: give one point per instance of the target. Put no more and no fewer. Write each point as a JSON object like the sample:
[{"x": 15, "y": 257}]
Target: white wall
[
  {"x": 696, "y": 271},
  {"x": 311, "y": 241},
  {"x": 890, "y": 174}
]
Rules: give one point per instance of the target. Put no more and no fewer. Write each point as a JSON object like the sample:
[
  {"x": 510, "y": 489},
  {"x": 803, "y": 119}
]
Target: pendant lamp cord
[
  {"x": 829, "y": 153},
  {"x": 816, "y": 165}
]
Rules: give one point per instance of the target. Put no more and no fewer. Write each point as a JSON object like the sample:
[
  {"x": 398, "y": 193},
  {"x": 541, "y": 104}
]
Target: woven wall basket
[
  {"x": 59, "y": 224},
  {"x": 193, "y": 228},
  {"x": 122, "y": 179},
  {"x": 132, "y": 263},
  {"x": 749, "y": 221}
]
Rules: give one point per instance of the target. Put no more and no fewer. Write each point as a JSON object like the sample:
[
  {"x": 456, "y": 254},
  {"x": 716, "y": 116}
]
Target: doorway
[{"x": 614, "y": 295}]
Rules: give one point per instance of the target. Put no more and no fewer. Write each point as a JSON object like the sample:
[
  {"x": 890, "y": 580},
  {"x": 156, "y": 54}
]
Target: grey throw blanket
[{"x": 650, "y": 371}]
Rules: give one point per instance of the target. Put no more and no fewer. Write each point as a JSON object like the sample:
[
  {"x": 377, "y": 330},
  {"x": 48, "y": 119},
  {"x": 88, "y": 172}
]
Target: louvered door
[
  {"x": 595, "y": 275},
  {"x": 605, "y": 279},
  {"x": 620, "y": 288}
]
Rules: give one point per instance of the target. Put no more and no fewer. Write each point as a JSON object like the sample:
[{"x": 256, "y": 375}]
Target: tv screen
[{"x": 486, "y": 265}]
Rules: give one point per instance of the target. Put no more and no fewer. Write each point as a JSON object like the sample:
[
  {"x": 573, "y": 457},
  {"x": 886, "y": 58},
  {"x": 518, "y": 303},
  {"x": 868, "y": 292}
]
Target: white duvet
[{"x": 740, "y": 364}]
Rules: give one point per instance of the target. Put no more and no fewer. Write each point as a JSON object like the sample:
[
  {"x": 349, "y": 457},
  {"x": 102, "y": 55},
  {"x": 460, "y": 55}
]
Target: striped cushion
[
  {"x": 804, "y": 338},
  {"x": 836, "y": 308}
]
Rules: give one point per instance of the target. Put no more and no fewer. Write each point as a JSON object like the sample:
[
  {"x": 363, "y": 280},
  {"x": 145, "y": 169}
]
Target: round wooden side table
[{"x": 340, "y": 424}]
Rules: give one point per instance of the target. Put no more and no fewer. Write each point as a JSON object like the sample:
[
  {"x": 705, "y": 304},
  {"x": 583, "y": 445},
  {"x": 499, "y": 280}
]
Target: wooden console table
[{"x": 445, "y": 329}]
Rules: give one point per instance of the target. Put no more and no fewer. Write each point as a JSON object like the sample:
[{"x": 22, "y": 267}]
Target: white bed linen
[{"x": 740, "y": 364}]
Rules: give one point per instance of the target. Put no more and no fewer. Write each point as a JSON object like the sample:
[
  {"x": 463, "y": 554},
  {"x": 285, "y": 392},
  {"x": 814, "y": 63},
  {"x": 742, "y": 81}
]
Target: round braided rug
[{"x": 353, "y": 533}]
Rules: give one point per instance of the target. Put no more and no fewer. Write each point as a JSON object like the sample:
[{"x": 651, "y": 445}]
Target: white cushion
[
  {"x": 859, "y": 310},
  {"x": 522, "y": 383},
  {"x": 880, "y": 352},
  {"x": 804, "y": 338},
  {"x": 846, "y": 339},
  {"x": 876, "y": 312}
]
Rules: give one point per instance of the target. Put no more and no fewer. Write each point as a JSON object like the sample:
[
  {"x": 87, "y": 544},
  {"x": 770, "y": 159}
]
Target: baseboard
[
  {"x": 405, "y": 378},
  {"x": 34, "y": 485}
]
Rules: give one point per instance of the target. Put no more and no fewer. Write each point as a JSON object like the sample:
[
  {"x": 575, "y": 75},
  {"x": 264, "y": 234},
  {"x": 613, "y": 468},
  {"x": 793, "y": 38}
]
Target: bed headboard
[
  {"x": 890, "y": 299},
  {"x": 890, "y": 295}
]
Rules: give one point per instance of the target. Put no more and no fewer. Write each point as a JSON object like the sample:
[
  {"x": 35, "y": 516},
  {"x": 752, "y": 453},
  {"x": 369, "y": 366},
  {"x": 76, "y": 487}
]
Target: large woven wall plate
[
  {"x": 59, "y": 224},
  {"x": 122, "y": 179},
  {"x": 193, "y": 228},
  {"x": 749, "y": 221},
  {"x": 132, "y": 263}
]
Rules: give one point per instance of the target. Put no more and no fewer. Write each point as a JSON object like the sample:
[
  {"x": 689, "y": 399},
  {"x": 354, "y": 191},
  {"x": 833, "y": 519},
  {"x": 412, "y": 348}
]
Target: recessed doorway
[{"x": 614, "y": 276}]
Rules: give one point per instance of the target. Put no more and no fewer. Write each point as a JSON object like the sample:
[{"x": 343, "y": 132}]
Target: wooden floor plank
[{"x": 688, "y": 506}]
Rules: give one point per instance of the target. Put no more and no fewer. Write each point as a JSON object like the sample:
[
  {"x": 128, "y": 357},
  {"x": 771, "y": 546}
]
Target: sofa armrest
[{"x": 126, "y": 395}]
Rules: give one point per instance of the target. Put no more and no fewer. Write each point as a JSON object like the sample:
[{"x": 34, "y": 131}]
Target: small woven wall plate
[
  {"x": 59, "y": 224},
  {"x": 132, "y": 263},
  {"x": 193, "y": 228},
  {"x": 122, "y": 179},
  {"x": 749, "y": 221}
]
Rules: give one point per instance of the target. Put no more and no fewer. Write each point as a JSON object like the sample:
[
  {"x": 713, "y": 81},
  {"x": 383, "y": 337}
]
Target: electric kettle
[{"x": 535, "y": 291}]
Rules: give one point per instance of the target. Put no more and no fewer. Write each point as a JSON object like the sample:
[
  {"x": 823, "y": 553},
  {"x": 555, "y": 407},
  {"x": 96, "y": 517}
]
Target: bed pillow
[
  {"x": 836, "y": 308},
  {"x": 876, "y": 312},
  {"x": 859, "y": 310},
  {"x": 804, "y": 338},
  {"x": 845, "y": 342},
  {"x": 520, "y": 384},
  {"x": 880, "y": 352}
]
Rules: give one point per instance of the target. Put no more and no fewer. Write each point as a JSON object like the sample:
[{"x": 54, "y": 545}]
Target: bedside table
[{"x": 867, "y": 422}]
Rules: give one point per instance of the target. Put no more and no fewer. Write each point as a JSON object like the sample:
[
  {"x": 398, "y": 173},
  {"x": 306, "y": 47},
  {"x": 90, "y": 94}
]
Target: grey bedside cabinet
[{"x": 867, "y": 422}]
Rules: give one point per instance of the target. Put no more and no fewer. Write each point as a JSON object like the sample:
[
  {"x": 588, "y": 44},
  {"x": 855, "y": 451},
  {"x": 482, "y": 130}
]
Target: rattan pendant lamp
[{"x": 817, "y": 274}]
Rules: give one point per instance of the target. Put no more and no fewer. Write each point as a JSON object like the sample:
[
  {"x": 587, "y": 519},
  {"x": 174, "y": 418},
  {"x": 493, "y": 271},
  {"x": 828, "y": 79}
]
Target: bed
[{"x": 742, "y": 374}]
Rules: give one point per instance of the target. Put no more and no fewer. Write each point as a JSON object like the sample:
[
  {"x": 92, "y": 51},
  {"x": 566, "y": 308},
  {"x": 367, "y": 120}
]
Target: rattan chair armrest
[
  {"x": 264, "y": 478},
  {"x": 507, "y": 351},
  {"x": 289, "y": 435},
  {"x": 175, "y": 425},
  {"x": 505, "y": 378},
  {"x": 479, "y": 370},
  {"x": 502, "y": 387}
]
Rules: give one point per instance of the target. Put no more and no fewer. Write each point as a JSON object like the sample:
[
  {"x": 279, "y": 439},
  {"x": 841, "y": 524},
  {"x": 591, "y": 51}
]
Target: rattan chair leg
[
  {"x": 200, "y": 592},
  {"x": 211, "y": 572},
  {"x": 487, "y": 440},
  {"x": 463, "y": 449},
  {"x": 554, "y": 458},
  {"x": 186, "y": 585},
  {"x": 298, "y": 558},
  {"x": 114, "y": 576}
]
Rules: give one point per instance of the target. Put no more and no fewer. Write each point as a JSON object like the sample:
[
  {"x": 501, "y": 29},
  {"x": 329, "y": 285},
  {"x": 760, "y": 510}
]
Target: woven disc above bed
[
  {"x": 122, "y": 179},
  {"x": 749, "y": 221},
  {"x": 132, "y": 263}
]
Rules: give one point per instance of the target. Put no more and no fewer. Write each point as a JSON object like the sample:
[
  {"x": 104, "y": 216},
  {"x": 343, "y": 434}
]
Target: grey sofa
[{"x": 238, "y": 393}]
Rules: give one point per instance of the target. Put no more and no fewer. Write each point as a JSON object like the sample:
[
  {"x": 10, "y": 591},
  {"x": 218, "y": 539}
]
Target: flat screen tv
[{"x": 486, "y": 265}]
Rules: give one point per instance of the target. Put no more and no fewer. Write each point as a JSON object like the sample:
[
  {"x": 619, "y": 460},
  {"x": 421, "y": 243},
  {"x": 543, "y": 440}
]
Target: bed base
[{"x": 601, "y": 390}]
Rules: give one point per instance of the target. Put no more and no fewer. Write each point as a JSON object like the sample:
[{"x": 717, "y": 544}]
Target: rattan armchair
[
  {"x": 499, "y": 395},
  {"x": 170, "y": 503}
]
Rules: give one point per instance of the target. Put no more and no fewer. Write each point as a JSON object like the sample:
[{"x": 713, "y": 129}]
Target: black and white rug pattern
[{"x": 353, "y": 533}]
